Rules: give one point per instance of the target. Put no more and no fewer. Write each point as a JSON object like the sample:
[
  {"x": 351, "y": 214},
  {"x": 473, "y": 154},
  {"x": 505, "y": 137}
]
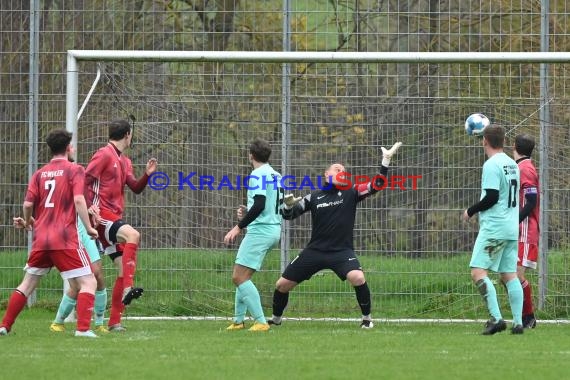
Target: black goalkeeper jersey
[{"x": 333, "y": 212}]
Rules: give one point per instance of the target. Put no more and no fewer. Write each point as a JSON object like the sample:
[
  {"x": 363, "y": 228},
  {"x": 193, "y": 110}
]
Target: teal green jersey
[
  {"x": 265, "y": 181},
  {"x": 500, "y": 172}
]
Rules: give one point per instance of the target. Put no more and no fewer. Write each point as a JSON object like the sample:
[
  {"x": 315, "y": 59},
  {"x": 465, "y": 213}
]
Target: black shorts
[{"x": 310, "y": 261}]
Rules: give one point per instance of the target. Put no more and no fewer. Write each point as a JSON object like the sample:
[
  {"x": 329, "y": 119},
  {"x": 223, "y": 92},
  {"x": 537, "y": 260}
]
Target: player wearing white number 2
[
  {"x": 53, "y": 202},
  {"x": 496, "y": 246},
  {"x": 263, "y": 223}
]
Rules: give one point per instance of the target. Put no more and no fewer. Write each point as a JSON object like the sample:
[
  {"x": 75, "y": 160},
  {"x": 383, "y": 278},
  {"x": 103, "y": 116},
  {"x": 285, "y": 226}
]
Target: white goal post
[{"x": 286, "y": 58}]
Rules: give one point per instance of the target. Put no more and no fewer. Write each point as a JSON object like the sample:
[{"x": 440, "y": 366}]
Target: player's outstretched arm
[
  {"x": 379, "y": 181},
  {"x": 388, "y": 153},
  {"x": 151, "y": 166},
  {"x": 294, "y": 206},
  {"x": 138, "y": 185},
  {"x": 290, "y": 200}
]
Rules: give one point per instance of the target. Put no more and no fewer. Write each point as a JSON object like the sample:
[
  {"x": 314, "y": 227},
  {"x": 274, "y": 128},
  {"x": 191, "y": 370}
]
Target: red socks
[
  {"x": 527, "y": 301},
  {"x": 84, "y": 309},
  {"x": 129, "y": 264},
  {"x": 117, "y": 306},
  {"x": 15, "y": 305}
]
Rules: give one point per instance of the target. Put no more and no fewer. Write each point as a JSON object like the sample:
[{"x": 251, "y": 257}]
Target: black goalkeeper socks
[
  {"x": 280, "y": 301},
  {"x": 363, "y": 298}
]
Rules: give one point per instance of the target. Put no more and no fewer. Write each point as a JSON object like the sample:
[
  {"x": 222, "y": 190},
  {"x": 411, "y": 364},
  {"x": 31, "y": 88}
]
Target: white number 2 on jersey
[{"x": 49, "y": 185}]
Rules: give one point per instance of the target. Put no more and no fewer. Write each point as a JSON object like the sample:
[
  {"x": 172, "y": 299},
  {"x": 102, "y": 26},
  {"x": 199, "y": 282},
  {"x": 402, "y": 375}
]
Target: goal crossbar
[{"x": 73, "y": 56}]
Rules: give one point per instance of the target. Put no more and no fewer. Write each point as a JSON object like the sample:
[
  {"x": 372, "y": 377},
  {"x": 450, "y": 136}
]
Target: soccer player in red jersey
[
  {"x": 105, "y": 178},
  {"x": 528, "y": 221},
  {"x": 53, "y": 201}
]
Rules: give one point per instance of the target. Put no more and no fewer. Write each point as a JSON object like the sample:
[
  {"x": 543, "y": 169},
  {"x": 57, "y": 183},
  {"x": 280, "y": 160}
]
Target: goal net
[{"x": 197, "y": 119}]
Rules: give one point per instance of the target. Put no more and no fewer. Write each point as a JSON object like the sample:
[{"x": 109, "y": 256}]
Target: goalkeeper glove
[
  {"x": 290, "y": 200},
  {"x": 388, "y": 153}
]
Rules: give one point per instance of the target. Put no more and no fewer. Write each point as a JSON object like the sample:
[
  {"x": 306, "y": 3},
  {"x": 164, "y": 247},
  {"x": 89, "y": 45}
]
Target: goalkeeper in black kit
[{"x": 333, "y": 210}]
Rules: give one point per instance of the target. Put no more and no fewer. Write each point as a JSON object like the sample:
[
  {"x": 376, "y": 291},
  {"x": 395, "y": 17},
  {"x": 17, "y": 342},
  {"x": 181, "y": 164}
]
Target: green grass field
[
  {"x": 198, "y": 283},
  {"x": 295, "y": 350}
]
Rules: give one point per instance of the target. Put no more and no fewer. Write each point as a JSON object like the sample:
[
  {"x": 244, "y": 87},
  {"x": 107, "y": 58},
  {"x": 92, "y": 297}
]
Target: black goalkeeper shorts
[{"x": 310, "y": 261}]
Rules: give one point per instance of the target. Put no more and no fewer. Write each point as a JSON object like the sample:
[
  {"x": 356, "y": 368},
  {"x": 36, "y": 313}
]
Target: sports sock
[
  {"x": 527, "y": 298},
  {"x": 65, "y": 308},
  {"x": 117, "y": 306},
  {"x": 100, "y": 306},
  {"x": 280, "y": 301},
  {"x": 240, "y": 307},
  {"x": 363, "y": 298},
  {"x": 129, "y": 260},
  {"x": 85, "y": 303},
  {"x": 250, "y": 297},
  {"x": 15, "y": 305},
  {"x": 489, "y": 294},
  {"x": 515, "y": 299}
]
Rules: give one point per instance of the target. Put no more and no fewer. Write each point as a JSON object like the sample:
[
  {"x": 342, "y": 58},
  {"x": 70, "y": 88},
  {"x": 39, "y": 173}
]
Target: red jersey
[
  {"x": 528, "y": 228},
  {"x": 105, "y": 178},
  {"x": 51, "y": 190}
]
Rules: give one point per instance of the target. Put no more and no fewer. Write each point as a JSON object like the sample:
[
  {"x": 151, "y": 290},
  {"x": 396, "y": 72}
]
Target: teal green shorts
[
  {"x": 495, "y": 254},
  {"x": 88, "y": 243},
  {"x": 255, "y": 245}
]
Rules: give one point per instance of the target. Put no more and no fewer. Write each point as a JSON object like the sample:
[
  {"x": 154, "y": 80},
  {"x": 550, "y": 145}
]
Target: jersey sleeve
[
  {"x": 491, "y": 177},
  {"x": 529, "y": 181},
  {"x": 32, "y": 193},
  {"x": 136, "y": 185}
]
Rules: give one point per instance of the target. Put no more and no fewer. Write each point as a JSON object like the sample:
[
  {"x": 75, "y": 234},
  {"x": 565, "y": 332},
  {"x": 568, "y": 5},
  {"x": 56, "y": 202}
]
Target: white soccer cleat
[
  {"x": 86, "y": 334},
  {"x": 3, "y": 331}
]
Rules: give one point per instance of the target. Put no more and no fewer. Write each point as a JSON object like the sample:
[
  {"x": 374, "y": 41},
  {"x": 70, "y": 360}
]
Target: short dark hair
[
  {"x": 495, "y": 135},
  {"x": 260, "y": 150},
  {"x": 524, "y": 145},
  {"x": 118, "y": 129},
  {"x": 58, "y": 140}
]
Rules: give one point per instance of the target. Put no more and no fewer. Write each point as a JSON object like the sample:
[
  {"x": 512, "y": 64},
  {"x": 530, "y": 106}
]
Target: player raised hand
[
  {"x": 388, "y": 153},
  {"x": 290, "y": 201},
  {"x": 151, "y": 166}
]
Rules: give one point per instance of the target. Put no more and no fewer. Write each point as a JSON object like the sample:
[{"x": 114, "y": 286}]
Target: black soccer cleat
[
  {"x": 366, "y": 324},
  {"x": 493, "y": 327},
  {"x": 529, "y": 321},
  {"x": 517, "y": 330},
  {"x": 132, "y": 294},
  {"x": 273, "y": 323}
]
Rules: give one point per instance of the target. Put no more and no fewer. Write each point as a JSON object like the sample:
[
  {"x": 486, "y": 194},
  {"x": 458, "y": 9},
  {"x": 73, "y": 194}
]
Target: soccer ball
[{"x": 476, "y": 123}]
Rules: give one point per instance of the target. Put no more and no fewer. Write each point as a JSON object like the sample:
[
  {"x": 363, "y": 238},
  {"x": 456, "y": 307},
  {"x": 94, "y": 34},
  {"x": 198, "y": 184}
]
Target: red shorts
[
  {"x": 71, "y": 263},
  {"x": 107, "y": 229},
  {"x": 528, "y": 255}
]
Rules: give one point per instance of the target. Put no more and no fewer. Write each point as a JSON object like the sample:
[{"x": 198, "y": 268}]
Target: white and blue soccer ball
[{"x": 476, "y": 123}]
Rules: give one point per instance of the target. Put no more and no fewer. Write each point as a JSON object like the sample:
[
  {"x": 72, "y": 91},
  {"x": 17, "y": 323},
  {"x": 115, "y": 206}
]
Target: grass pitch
[{"x": 296, "y": 350}]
